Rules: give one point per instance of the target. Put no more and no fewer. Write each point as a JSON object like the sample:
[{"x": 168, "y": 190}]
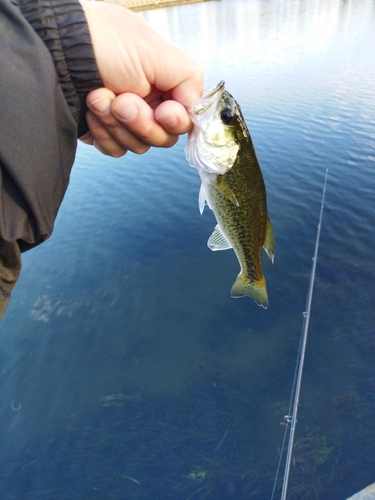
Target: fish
[{"x": 220, "y": 147}]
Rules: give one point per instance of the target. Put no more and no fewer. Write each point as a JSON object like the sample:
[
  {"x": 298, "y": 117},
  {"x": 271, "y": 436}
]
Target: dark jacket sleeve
[{"x": 47, "y": 68}]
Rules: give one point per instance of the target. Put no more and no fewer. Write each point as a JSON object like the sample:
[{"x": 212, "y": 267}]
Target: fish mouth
[
  {"x": 219, "y": 88},
  {"x": 209, "y": 97}
]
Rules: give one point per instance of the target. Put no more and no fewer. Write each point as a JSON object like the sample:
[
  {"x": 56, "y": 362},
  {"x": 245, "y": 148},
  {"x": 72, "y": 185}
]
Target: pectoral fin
[
  {"x": 226, "y": 190},
  {"x": 202, "y": 198},
  {"x": 218, "y": 241},
  {"x": 269, "y": 242}
]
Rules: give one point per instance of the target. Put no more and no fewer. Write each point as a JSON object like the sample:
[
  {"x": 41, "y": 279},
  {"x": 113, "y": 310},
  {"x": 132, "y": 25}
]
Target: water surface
[{"x": 127, "y": 371}]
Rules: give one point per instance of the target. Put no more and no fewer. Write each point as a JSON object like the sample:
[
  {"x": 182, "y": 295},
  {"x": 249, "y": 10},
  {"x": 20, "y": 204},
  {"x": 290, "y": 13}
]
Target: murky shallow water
[{"x": 124, "y": 362}]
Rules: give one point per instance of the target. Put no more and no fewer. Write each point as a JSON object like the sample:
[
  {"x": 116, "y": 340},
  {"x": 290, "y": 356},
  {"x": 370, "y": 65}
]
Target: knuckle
[
  {"x": 141, "y": 149},
  {"x": 102, "y": 135},
  {"x": 171, "y": 141},
  {"x": 109, "y": 148},
  {"x": 147, "y": 132},
  {"x": 119, "y": 153}
]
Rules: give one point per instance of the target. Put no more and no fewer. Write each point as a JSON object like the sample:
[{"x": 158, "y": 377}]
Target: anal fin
[{"x": 218, "y": 241}]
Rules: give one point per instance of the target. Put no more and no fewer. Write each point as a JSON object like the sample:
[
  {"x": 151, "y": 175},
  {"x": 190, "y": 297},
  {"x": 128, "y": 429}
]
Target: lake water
[{"x": 127, "y": 371}]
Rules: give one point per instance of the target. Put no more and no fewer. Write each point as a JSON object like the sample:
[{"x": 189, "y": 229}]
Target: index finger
[{"x": 138, "y": 118}]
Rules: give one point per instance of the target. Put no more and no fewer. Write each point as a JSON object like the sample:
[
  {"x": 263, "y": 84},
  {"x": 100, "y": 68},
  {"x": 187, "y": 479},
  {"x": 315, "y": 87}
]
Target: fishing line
[{"x": 291, "y": 418}]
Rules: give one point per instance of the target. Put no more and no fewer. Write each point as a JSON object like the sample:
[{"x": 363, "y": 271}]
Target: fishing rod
[{"x": 291, "y": 418}]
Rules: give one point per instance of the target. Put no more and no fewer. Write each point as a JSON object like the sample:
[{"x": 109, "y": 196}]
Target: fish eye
[{"x": 226, "y": 116}]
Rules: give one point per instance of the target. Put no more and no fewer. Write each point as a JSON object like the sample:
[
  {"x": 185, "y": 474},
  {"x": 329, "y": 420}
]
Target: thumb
[
  {"x": 189, "y": 90},
  {"x": 180, "y": 76}
]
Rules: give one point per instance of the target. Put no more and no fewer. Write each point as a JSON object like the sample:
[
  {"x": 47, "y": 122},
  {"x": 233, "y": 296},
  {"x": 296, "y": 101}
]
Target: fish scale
[
  {"x": 221, "y": 149},
  {"x": 244, "y": 225}
]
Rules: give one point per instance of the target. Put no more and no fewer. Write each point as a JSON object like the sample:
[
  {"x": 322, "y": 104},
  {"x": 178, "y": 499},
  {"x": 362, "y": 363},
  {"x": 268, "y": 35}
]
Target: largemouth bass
[{"x": 221, "y": 149}]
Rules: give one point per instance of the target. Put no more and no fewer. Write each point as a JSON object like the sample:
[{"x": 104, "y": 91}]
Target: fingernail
[
  {"x": 168, "y": 120},
  {"x": 101, "y": 105},
  {"x": 126, "y": 111}
]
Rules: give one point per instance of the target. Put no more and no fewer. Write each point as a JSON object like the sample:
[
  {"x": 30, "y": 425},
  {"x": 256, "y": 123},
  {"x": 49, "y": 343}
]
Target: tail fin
[{"x": 256, "y": 290}]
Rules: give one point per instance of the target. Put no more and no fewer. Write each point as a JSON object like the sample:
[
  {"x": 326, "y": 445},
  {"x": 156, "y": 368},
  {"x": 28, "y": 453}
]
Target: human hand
[
  {"x": 148, "y": 84},
  {"x": 114, "y": 128}
]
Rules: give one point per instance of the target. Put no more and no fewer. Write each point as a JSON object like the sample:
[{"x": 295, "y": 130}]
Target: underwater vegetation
[
  {"x": 203, "y": 444},
  {"x": 325, "y": 453}
]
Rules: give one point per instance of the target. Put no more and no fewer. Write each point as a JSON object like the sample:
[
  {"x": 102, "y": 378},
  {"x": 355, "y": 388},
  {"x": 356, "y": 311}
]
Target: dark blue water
[{"x": 127, "y": 371}]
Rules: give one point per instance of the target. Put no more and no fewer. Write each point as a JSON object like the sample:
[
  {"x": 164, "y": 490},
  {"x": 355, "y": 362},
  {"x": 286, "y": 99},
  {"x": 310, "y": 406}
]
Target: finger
[
  {"x": 87, "y": 138},
  {"x": 102, "y": 139},
  {"x": 173, "y": 117},
  {"x": 138, "y": 118},
  {"x": 99, "y": 102},
  {"x": 191, "y": 89},
  {"x": 180, "y": 75}
]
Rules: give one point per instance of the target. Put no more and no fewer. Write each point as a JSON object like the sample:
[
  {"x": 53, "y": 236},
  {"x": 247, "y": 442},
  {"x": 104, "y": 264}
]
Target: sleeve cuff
[{"x": 63, "y": 28}]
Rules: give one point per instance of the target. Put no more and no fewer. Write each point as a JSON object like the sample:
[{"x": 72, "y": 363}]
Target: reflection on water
[{"x": 126, "y": 369}]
